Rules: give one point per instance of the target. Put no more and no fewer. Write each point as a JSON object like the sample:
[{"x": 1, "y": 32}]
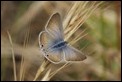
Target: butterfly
[{"x": 53, "y": 46}]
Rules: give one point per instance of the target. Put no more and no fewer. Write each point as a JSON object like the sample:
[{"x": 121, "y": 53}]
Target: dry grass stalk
[
  {"x": 13, "y": 57},
  {"x": 83, "y": 12}
]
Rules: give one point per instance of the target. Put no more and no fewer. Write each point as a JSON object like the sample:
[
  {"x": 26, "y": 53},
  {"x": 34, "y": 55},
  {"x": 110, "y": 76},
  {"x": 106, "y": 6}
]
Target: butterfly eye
[
  {"x": 42, "y": 45},
  {"x": 47, "y": 55}
]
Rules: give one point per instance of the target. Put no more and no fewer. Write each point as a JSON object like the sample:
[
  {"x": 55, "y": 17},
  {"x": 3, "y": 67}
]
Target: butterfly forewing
[
  {"x": 72, "y": 54},
  {"x": 54, "y": 26}
]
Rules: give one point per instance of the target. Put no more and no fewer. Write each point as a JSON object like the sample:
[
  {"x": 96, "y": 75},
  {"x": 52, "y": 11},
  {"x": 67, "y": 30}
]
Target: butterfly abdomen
[{"x": 60, "y": 44}]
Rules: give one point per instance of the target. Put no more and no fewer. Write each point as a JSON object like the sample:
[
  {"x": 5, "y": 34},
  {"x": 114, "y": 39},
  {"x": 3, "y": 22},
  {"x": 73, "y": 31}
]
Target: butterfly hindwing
[
  {"x": 46, "y": 42},
  {"x": 54, "y": 56},
  {"x": 72, "y": 54}
]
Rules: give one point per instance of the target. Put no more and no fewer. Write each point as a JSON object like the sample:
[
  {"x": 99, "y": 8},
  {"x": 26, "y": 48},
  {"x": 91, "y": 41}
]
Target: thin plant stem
[
  {"x": 53, "y": 73},
  {"x": 23, "y": 61},
  {"x": 13, "y": 57}
]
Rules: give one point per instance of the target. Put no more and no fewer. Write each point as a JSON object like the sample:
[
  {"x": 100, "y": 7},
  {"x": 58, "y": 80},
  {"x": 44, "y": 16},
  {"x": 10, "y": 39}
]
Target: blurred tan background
[{"x": 104, "y": 28}]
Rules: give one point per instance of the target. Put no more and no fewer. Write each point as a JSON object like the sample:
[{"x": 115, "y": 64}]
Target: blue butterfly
[{"x": 53, "y": 46}]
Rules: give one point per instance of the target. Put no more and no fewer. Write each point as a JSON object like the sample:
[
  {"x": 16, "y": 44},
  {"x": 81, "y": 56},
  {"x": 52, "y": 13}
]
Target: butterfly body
[
  {"x": 53, "y": 46},
  {"x": 60, "y": 45}
]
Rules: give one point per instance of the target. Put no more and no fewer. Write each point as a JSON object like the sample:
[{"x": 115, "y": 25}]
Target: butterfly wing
[
  {"x": 54, "y": 26},
  {"x": 54, "y": 56},
  {"x": 72, "y": 54},
  {"x": 45, "y": 42}
]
